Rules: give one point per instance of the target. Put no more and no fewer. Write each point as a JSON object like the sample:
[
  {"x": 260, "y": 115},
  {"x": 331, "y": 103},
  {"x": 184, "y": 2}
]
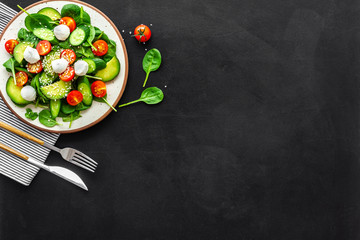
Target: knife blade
[
  {"x": 58, "y": 171},
  {"x": 64, "y": 173}
]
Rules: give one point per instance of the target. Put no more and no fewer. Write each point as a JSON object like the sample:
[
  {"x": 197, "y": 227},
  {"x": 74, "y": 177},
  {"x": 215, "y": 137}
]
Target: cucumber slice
[
  {"x": 46, "y": 79},
  {"x": 50, "y": 12},
  {"x": 100, "y": 64},
  {"x": 91, "y": 63},
  {"x": 55, "y": 106},
  {"x": 57, "y": 90},
  {"x": 20, "y": 49},
  {"x": 111, "y": 71},
  {"x": 44, "y": 34},
  {"x": 79, "y": 35},
  {"x": 85, "y": 89},
  {"x": 14, "y": 92}
]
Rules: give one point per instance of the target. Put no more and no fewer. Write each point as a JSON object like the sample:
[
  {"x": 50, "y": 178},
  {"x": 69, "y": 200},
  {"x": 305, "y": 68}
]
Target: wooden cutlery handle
[
  {"x": 12, "y": 151},
  {"x": 20, "y": 133}
]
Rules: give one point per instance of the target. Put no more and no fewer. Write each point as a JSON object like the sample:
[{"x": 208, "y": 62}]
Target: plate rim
[{"x": 125, "y": 76}]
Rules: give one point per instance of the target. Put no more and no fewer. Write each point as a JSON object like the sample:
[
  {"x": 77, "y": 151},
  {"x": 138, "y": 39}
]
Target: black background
[{"x": 257, "y": 137}]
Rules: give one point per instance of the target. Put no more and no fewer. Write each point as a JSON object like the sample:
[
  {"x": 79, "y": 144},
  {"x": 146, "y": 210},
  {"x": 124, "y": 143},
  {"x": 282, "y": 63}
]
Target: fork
[{"x": 69, "y": 154}]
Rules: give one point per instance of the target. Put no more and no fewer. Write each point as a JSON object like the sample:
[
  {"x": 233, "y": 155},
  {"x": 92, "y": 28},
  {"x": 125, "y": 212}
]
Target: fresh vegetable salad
[{"x": 60, "y": 61}]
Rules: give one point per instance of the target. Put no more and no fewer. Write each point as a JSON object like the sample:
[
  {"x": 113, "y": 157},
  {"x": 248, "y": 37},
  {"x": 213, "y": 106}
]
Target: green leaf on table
[
  {"x": 151, "y": 62},
  {"x": 151, "y": 95}
]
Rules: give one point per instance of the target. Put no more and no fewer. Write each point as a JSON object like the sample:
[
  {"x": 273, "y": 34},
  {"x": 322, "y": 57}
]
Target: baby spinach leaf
[
  {"x": 23, "y": 34},
  {"x": 110, "y": 53},
  {"x": 65, "y": 44},
  {"x": 104, "y": 100},
  {"x": 10, "y": 66},
  {"x": 81, "y": 107},
  {"x": 70, "y": 10},
  {"x": 91, "y": 36},
  {"x": 66, "y": 108},
  {"x": 36, "y": 84},
  {"x": 75, "y": 12},
  {"x": 46, "y": 119},
  {"x": 151, "y": 62},
  {"x": 30, "y": 114},
  {"x": 36, "y": 20},
  {"x": 151, "y": 95},
  {"x": 72, "y": 117}
]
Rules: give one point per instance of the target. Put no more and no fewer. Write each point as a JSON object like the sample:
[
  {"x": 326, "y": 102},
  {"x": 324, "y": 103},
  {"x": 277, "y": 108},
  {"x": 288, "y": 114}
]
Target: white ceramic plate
[{"x": 115, "y": 88}]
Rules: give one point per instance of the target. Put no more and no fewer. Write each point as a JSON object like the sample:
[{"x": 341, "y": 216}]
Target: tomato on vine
[{"x": 142, "y": 33}]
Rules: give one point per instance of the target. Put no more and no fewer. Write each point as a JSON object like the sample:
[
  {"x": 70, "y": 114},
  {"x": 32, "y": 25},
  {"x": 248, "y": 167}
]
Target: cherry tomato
[
  {"x": 10, "y": 45},
  {"x": 74, "y": 97},
  {"x": 69, "y": 55},
  {"x": 101, "y": 48},
  {"x": 21, "y": 78},
  {"x": 98, "y": 89},
  {"x": 68, "y": 21},
  {"x": 142, "y": 33},
  {"x": 68, "y": 75},
  {"x": 35, "y": 67},
  {"x": 43, "y": 47}
]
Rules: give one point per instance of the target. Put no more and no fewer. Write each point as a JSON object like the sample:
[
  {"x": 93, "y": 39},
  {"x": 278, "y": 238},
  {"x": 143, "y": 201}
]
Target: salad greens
[
  {"x": 151, "y": 62},
  {"x": 56, "y": 91},
  {"x": 151, "y": 95},
  {"x": 46, "y": 119},
  {"x": 30, "y": 114}
]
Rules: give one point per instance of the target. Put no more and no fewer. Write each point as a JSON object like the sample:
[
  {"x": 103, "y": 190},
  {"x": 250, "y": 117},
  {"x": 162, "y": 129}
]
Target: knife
[{"x": 58, "y": 171}]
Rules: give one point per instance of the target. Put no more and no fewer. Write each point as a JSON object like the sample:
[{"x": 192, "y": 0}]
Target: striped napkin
[{"x": 11, "y": 166}]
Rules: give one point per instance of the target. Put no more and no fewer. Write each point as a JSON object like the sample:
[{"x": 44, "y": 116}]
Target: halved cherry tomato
[
  {"x": 74, "y": 97},
  {"x": 10, "y": 45},
  {"x": 69, "y": 55},
  {"x": 43, "y": 47},
  {"x": 35, "y": 67},
  {"x": 98, "y": 89},
  {"x": 101, "y": 48},
  {"x": 70, "y": 22},
  {"x": 68, "y": 75},
  {"x": 21, "y": 78},
  {"x": 142, "y": 33}
]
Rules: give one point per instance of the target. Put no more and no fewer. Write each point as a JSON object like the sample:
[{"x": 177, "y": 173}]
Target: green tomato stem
[
  {"x": 125, "y": 104},
  {"x": 103, "y": 98},
  {"x": 147, "y": 76},
  {"x": 89, "y": 76}
]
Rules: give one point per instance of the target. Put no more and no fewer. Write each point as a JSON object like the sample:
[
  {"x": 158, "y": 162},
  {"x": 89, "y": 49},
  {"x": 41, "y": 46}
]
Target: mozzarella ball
[
  {"x": 62, "y": 32},
  {"x": 28, "y": 93},
  {"x": 59, "y": 65},
  {"x": 31, "y": 55},
  {"x": 81, "y": 67}
]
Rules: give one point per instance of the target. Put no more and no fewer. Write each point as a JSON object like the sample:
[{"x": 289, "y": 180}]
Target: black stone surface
[{"x": 257, "y": 138}]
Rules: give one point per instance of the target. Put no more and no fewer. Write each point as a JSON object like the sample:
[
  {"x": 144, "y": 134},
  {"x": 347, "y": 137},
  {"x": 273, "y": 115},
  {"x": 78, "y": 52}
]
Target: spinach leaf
[
  {"x": 83, "y": 17},
  {"x": 72, "y": 117},
  {"x": 151, "y": 62},
  {"x": 81, "y": 107},
  {"x": 66, "y": 108},
  {"x": 151, "y": 95},
  {"x": 36, "y": 84},
  {"x": 65, "y": 44},
  {"x": 91, "y": 36},
  {"x": 30, "y": 114},
  {"x": 83, "y": 51},
  {"x": 110, "y": 53},
  {"x": 10, "y": 66},
  {"x": 75, "y": 12},
  {"x": 23, "y": 34},
  {"x": 104, "y": 100},
  {"x": 46, "y": 119}
]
